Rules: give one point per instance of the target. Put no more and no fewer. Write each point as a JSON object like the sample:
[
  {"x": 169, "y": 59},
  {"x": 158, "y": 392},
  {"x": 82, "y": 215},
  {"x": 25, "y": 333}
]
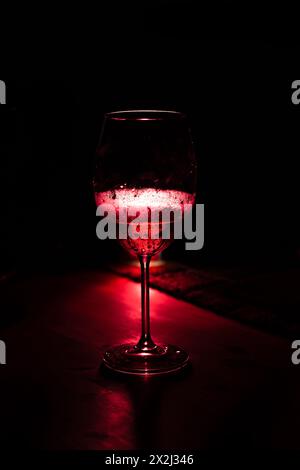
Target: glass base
[{"x": 128, "y": 359}]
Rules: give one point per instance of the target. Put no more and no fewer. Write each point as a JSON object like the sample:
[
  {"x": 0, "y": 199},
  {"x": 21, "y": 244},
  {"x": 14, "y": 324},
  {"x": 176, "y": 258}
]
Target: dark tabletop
[{"x": 240, "y": 389}]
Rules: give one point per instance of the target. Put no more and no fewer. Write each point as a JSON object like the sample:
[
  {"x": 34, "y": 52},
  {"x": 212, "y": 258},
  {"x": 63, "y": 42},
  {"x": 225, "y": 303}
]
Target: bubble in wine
[{"x": 145, "y": 221}]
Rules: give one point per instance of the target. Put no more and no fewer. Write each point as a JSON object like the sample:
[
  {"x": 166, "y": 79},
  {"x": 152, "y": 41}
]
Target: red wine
[{"x": 146, "y": 202}]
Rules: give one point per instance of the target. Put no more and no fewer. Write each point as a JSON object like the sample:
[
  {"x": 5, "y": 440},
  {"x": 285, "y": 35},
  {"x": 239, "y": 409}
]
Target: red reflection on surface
[{"x": 115, "y": 408}]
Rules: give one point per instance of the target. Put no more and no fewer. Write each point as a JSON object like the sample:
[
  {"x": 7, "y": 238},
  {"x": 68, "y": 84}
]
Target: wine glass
[{"x": 145, "y": 162}]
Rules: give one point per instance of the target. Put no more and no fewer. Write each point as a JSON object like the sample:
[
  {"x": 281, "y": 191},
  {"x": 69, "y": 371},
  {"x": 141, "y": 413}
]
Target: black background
[
  {"x": 233, "y": 79},
  {"x": 229, "y": 67}
]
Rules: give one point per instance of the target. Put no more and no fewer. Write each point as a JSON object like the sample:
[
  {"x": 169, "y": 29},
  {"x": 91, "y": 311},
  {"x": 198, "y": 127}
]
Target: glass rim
[{"x": 144, "y": 115}]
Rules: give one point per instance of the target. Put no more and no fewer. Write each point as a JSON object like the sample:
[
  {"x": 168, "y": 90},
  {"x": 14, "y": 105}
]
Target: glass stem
[{"x": 145, "y": 343}]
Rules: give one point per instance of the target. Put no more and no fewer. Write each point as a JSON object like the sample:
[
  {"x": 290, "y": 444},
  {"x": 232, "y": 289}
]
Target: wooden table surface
[{"x": 241, "y": 389}]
